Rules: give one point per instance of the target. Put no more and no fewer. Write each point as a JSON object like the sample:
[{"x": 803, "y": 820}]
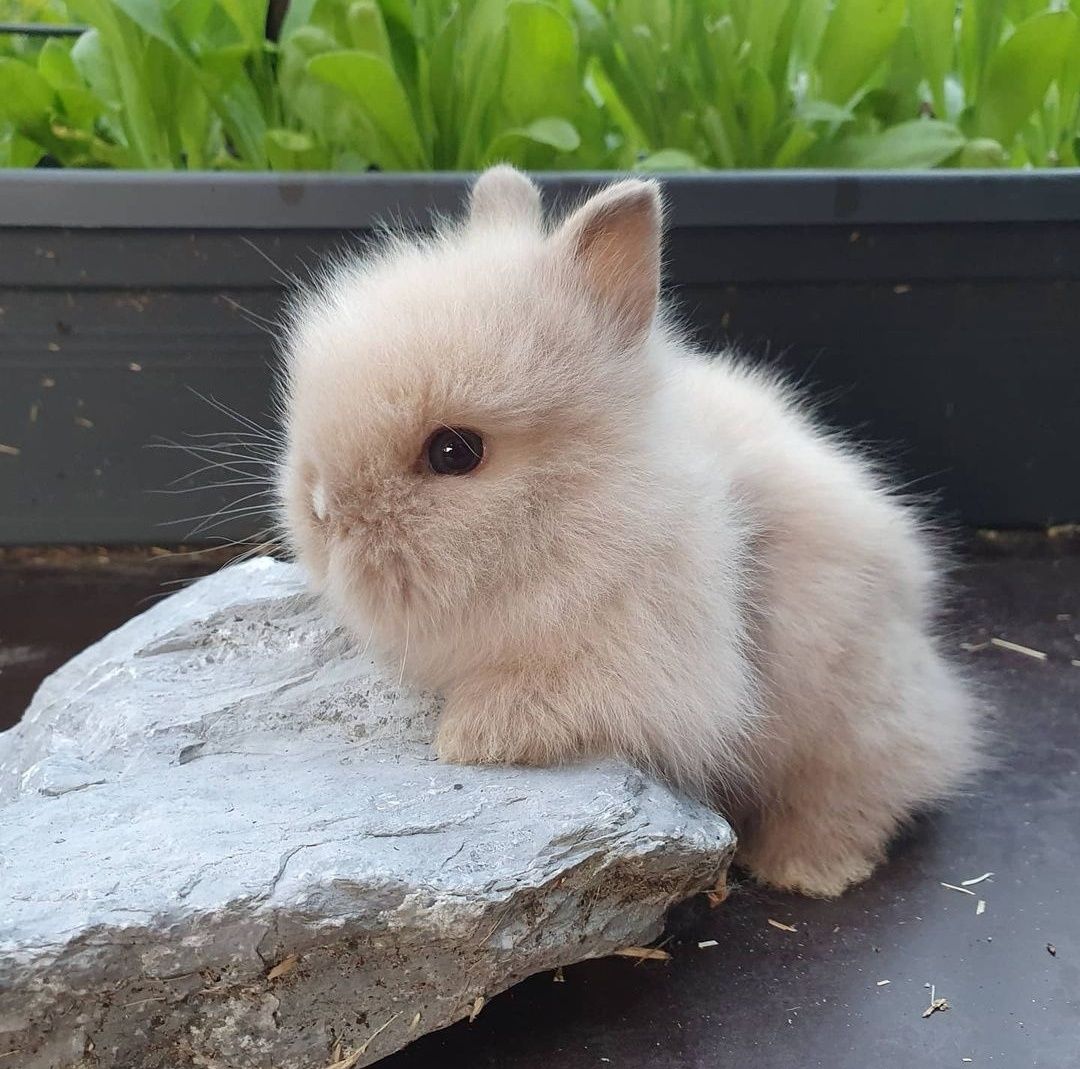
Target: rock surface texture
[{"x": 225, "y": 842}]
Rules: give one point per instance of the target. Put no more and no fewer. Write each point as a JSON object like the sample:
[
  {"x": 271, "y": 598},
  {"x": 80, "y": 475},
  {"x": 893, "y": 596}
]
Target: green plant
[{"x": 574, "y": 84}]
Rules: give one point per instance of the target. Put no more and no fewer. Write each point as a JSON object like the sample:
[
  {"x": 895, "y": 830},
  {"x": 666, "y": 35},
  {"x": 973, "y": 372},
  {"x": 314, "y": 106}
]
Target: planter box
[{"x": 935, "y": 315}]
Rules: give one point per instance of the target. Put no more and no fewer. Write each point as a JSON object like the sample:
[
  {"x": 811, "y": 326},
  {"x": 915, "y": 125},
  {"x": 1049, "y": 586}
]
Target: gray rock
[{"x": 224, "y": 842}]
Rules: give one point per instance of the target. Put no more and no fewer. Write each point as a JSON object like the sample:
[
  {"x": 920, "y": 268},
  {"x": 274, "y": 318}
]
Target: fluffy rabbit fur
[{"x": 660, "y": 556}]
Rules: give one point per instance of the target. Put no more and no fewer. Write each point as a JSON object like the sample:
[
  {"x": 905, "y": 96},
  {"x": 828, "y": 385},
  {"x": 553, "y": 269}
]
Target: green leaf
[
  {"x": 513, "y": 145},
  {"x": 367, "y": 31},
  {"x": 80, "y": 106},
  {"x": 481, "y": 62},
  {"x": 809, "y": 28},
  {"x": 26, "y": 98},
  {"x": 17, "y": 150},
  {"x": 932, "y": 25},
  {"x": 913, "y": 145},
  {"x": 298, "y": 15},
  {"x": 55, "y": 65},
  {"x": 290, "y": 140},
  {"x": 822, "y": 111},
  {"x": 370, "y": 82},
  {"x": 857, "y": 38},
  {"x": 982, "y": 152},
  {"x": 249, "y": 17},
  {"x": 292, "y": 150},
  {"x": 541, "y": 62},
  {"x": 764, "y": 19},
  {"x": 670, "y": 159},
  {"x": 138, "y": 81},
  {"x": 92, "y": 62},
  {"x": 980, "y": 32},
  {"x": 759, "y": 106},
  {"x": 443, "y": 86},
  {"x": 620, "y": 117},
  {"x": 149, "y": 16},
  {"x": 1020, "y": 72},
  {"x": 800, "y": 139},
  {"x": 718, "y": 137}
]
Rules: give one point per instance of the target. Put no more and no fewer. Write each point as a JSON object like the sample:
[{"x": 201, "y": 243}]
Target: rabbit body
[{"x": 638, "y": 550}]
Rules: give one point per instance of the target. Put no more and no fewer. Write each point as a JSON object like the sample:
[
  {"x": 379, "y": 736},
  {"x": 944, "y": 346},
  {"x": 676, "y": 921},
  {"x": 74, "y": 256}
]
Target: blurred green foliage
[{"x": 419, "y": 85}]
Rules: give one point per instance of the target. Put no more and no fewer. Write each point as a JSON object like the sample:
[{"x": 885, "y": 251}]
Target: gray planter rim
[{"x": 311, "y": 200}]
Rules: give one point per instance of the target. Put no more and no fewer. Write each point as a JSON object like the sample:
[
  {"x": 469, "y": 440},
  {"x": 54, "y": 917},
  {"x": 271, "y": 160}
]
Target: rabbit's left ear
[
  {"x": 503, "y": 195},
  {"x": 613, "y": 242}
]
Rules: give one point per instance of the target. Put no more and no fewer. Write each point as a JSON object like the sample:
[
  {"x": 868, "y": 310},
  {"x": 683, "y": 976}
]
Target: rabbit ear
[
  {"x": 503, "y": 195},
  {"x": 613, "y": 240}
]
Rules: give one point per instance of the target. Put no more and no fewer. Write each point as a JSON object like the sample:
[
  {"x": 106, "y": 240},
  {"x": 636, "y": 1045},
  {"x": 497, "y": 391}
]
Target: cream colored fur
[{"x": 661, "y": 556}]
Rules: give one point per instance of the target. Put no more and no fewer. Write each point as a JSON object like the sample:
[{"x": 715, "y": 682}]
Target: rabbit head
[{"x": 461, "y": 410}]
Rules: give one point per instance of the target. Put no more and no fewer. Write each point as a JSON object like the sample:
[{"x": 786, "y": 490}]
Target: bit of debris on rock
[
  {"x": 283, "y": 967},
  {"x": 980, "y": 909},
  {"x": 882, "y": 983},
  {"x": 477, "y": 1006},
  {"x": 558, "y": 978},
  {"x": 1052, "y": 950},
  {"x": 706, "y": 943},
  {"x": 783, "y": 927},
  {"x": 353, "y": 1057}
]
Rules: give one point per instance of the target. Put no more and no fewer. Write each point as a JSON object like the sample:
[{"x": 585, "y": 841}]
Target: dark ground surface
[{"x": 764, "y": 997}]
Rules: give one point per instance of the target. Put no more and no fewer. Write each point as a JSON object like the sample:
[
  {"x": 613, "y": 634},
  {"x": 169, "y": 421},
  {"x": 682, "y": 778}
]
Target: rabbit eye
[{"x": 454, "y": 451}]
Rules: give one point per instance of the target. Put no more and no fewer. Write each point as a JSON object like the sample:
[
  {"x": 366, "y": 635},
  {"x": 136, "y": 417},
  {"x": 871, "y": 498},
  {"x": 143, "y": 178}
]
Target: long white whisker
[
  {"x": 268, "y": 326},
  {"x": 212, "y": 486},
  {"x": 220, "y": 517},
  {"x": 405, "y": 655},
  {"x": 285, "y": 274},
  {"x": 371, "y": 635},
  {"x": 259, "y": 437},
  {"x": 225, "y": 410},
  {"x": 202, "y": 452}
]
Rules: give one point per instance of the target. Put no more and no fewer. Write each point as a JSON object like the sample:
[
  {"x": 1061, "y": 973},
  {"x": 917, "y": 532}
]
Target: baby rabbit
[{"x": 505, "y": 464}]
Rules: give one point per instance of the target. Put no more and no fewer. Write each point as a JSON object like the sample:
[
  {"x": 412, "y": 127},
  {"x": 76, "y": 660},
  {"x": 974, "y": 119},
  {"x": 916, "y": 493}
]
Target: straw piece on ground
[
  {"x": 783, "y": 927},
  {"x": 975, "y": 880},
  {"x": 651, "y": 953},
  {"x": 980, "y": 909},
  {"x": 1015, "y": 647},
  {"x": 953, "y": 887},
  {"x": 706, "y": 943},
  {"x": 937, "y": 1005},
  {"x": 718, "y": 894}
]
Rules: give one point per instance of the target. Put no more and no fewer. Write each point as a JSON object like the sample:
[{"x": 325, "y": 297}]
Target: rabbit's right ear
[
  {"x": 612, "y": 242},
  {"x": 504, "y": 196}
]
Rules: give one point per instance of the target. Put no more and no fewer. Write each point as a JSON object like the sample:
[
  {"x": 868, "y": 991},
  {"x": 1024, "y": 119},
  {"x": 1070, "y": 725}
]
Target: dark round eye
[{"x": 454, "y": 451}]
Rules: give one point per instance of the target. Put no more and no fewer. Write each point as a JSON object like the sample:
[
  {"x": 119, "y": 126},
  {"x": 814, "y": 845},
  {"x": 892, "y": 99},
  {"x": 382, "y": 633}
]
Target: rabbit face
[{"x": 458, "y": 409}]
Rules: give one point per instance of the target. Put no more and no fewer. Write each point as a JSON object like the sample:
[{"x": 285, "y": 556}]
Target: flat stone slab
[{"x": 225, "y": 842}]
